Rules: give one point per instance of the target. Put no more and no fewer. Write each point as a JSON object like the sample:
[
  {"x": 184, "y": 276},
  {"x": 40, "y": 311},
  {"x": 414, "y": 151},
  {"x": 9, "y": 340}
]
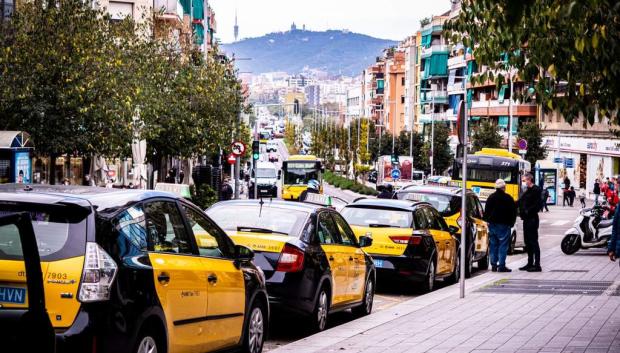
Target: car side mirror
[
  {"x": 243, "y": 253},
  {"x": 365, "y": 241},
  {"x": 453, "y": 230}
]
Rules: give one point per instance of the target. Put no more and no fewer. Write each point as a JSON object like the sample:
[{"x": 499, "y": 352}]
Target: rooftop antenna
[{"x": 236, "y": 27}]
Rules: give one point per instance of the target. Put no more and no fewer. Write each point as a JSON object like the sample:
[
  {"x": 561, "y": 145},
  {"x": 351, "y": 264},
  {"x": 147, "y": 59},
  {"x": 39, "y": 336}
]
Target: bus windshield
[
  {"x": 485, "y": 175},
  {"x": 295, "y": 176}
]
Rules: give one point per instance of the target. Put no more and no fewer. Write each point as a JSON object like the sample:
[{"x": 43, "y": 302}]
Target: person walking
[
  {"x": 545, "y": 197},
  {"x": 528, "y": 211},
  {"x": 613, "y": 247},
  {"x": 582, "y": 198},
  {"x": 387, "y": 192},
  {"x": 596, "y": 191},
  {"x": 313, "y": 188},
  {"x": 226, "y": 190},
  {"x": 571, "y": 196},
  {"x": 500, "y": 213}
]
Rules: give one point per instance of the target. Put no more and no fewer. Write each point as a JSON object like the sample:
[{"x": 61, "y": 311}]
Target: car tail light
[
  {"x": 406, "y": 239},
  {"x": 291, "y": 259},
  {"x": 98, "y": 274}
]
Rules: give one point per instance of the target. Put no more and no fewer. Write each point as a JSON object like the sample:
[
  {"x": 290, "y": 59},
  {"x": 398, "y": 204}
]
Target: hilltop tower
[{"x": 236, "y": 27}]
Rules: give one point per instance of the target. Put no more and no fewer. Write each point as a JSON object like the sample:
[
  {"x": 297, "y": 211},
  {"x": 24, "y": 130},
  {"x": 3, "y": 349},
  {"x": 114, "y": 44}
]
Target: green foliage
[
  {"x": 443, "y": 156},
  {"x": 348, "y": 184},
  {"x": 486, "y": 135},
  {"x": 535, "y": 149},
  {"x": 568, "y": 50},
  {"x": 203, "y": 196}
]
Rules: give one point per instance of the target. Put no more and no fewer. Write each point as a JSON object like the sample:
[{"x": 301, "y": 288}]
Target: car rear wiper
[
  {"x": 258, "y": 230},
  {"x": 378, "y": 225}
]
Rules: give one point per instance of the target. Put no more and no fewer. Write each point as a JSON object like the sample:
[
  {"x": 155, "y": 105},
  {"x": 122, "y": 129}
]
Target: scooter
[{"x": 590, "y": 230}]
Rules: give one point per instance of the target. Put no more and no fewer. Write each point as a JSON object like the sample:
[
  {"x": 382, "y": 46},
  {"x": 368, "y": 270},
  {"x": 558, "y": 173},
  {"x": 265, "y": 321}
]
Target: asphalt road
[{"x": 286, "y": 329}]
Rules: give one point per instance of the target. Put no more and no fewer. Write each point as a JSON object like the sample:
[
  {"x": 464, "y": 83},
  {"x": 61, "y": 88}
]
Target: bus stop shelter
[{"x": 15, "y": 157}]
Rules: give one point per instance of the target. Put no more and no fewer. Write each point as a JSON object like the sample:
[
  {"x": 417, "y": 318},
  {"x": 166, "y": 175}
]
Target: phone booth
[
  {"x": 15, "y": 157},
  {"x": 547, "y": 178}
]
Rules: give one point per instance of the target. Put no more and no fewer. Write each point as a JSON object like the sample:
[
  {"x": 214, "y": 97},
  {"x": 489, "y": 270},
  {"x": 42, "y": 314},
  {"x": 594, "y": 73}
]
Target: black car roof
[
  {"x": 387, "y": 203},
  {"x": 100, "y": 198},
  {"x": 292, "y": 205}
]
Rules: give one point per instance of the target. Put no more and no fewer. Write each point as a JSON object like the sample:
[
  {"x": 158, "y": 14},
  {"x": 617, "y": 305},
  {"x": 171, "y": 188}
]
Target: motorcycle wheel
[{"x": 570, "y": 244}]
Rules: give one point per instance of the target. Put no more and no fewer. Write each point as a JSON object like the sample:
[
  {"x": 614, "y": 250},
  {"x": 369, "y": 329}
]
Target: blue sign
[
  {"x": 569, "y": 163},
  {"x": 395, "y": 174},
  {"x": 558, "y": 160}
]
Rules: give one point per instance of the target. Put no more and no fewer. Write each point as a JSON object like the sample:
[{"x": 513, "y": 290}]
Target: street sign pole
[
  {"x": 237, "y": 165},
  {"x": 464, "y": 193}
]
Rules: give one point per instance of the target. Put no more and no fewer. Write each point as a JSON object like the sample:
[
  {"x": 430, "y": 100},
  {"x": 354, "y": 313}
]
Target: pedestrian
[
  {"x": 582, "y": 198},
  {"x": 387, "y": 192},
  {"x": 545, "y": 197},
  {"x": 613, "y": 247},
  {"x": 565, "y": 197},
  {"x": 171, "y": 177},
  {"x": 571, "y": 196},
  {"x": 528, "y": 211},
  {"x": 500, "y": 213},
  {"x": 596, "y": 191},
  {"x": 566, "y": 183},
  {"x": 609, "y": 183},
  {"x": 313, "y": 188},
  {"x": 226, "y": 191}
]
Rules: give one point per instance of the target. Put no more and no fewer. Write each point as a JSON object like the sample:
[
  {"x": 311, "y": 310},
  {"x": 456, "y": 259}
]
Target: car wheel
[
  {"x": 148, "y": 342},
  {"x": 513, "y": 242},
  {"x": 321, "y": 309},
  {"x": 429, "y": 281},
  {"x": 366, "y": 307},
  {"x": 456, "y": 274},
  {"x": 255, "y": 330},
  {"x": 483, "y": 264},
  {"x": 469, "y": 263}
]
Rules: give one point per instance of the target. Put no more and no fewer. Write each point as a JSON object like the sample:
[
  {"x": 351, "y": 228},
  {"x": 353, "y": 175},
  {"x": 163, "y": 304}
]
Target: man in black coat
[
  {"x": 529, "y": 205},
  {"x": 501, "y": 213}
]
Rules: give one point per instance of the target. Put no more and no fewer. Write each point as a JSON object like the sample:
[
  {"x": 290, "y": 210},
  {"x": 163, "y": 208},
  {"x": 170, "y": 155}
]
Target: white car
[{"x": 272, "y": 146}]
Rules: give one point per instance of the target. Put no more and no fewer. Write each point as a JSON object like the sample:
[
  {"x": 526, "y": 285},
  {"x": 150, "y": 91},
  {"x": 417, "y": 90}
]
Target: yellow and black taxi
[
  {"x": 312, "y": 261},
  {"x": 447, "y": 200},
  {"x": 410, "y": 240},
  {"x": 132, "y": 271}
]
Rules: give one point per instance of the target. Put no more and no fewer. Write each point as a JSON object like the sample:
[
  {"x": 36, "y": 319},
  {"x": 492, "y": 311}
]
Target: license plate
[
  {"x": 264, "y": 191},
  {"x": 12, "y": 295},
  {"x": 378, "y": 263}
]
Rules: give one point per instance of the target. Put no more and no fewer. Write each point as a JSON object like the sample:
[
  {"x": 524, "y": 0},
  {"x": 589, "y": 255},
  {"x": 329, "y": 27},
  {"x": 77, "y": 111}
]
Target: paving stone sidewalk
[{"x": 573, "y": 306}]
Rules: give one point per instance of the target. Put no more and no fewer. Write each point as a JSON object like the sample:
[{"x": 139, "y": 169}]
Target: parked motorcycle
[{"x": 590, "y": 230}]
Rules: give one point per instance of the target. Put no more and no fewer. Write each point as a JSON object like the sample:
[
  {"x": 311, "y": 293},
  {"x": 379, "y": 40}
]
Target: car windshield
[
  {"x": 447, "y": 205},
  {"x": 377, "y": 217},
  {"x": 59, "y": 232},
  {"x": 266, "y": 173},
  {"x": 272, "y": 219}
]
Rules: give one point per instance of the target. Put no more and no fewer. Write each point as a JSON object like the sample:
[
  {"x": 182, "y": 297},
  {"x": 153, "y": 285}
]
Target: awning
[{"x": 15, "y": 139}]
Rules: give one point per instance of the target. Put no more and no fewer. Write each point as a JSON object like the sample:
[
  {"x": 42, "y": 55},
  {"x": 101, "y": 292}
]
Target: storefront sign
[{"x": 608, "y": 147}]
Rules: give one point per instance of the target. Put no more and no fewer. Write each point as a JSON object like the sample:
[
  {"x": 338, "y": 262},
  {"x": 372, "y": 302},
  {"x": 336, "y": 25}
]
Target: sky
[{"x": 385, "y": 19}]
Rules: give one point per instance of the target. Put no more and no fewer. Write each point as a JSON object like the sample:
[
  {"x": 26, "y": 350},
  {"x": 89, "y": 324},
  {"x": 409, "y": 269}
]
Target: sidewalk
[{"x": 573, "y": 306}]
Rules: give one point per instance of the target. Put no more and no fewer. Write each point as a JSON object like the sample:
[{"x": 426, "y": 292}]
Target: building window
[
  {"x": 402, "y": 99},
  {"x": 120, "y": 10},
  {"x": 402, "y": 80}
]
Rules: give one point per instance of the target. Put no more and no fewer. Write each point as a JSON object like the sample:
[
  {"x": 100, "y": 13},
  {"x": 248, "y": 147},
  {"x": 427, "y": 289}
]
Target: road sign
[
  {"x": 522, "y": 143},
  {"x": 395, "y": 174},
  {"x": 238, "y": 148},
  {"x": 569, "y": 163},
  {"x": 558, "y": 160},
  {"x": 522, "y": 151},
  {"x": 231, "y": 159}
]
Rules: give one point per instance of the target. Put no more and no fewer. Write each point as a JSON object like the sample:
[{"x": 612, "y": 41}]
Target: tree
[
  {"x": 486, "y": 135},
  {"x": 442, "y": 155},
  {"x": 535, "y": 149},
  {"x": 568, "y": 50}
]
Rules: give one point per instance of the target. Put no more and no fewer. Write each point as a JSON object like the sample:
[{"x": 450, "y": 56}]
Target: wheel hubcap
[
  {"x": 256, "y": 333},
  {"x": 147, "y": 345},
  {"x": 369, "y": 296},
  {"x": 431, "y": 277},
  {"x": 322, "y": 310}
]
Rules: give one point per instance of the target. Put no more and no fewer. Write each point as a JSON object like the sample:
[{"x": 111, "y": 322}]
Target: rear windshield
[
  {"x": 373, "y": 217},
  {"x": 277, "y": 220},
  {"x": 446, "y": 205},
  {"x": 60, "y": 231}
]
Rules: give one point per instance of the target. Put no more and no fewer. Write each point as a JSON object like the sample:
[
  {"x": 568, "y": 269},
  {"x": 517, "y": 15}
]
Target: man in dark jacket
[
  {"x": 501, "y": 213},
  {"x": 387, "y": 192},
  {"x": 529, "y": 204},
  {"x": 613, "y": 247}
]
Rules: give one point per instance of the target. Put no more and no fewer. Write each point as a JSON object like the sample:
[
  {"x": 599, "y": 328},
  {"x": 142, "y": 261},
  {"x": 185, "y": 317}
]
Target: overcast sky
[{"x": 386, "y": 19}]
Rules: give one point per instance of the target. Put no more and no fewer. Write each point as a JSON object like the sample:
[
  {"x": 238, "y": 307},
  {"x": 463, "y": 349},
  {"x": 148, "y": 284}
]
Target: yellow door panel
[
  {"x": 482, "y": 235},
  {"x": 442, "y": 239},
  {"x": 260, "y": 242},
  {"x": 357, "y": 268},
  {"x": 61, "y": 281},
  {"x": 381, "y": 242},
  {"x": 338, "y": 263},
  {"x": 181, "y": 285},
  {"x": 226, "y": 304}
]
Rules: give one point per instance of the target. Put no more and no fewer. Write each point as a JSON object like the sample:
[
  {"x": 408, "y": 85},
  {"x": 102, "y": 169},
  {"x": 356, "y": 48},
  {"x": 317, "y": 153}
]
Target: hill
[{"x": 336, "y": 52}]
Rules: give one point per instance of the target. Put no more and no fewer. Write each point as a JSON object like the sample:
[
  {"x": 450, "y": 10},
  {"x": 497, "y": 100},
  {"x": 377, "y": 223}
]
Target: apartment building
[
  {"x": 373, "y": 87},
  {"x": 412, "y": 76},
  {"x": 394, "y": 93}
]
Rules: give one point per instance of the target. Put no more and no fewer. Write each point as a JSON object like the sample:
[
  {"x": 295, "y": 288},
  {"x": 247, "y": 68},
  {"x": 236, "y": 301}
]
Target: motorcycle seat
[{"x": 605, "y": 223}]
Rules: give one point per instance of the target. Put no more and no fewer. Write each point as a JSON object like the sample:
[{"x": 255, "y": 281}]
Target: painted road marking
[{"x": 559, "y": 223}]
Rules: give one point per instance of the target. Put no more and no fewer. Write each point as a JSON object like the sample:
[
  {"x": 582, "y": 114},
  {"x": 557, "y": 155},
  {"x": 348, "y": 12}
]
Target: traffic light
[
  {"x": 394, "y": 159},
  {"x": 255, "y": 150},
  {"x": 296, "y": 107}
]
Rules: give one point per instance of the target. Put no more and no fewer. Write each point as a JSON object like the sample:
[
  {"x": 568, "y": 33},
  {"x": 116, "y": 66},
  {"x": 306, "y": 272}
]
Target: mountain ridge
[{"x": 338, "y": 52}]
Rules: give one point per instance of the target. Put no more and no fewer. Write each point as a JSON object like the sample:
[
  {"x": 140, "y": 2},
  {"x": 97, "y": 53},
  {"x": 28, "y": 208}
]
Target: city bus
[
  {"x": 297, "y": 170},
  {"x": 488, "y": 165}
]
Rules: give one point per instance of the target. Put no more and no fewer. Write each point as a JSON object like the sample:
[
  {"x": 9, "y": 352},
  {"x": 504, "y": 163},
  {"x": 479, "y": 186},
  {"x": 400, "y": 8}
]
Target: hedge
[{"x": 347, "y": 184}]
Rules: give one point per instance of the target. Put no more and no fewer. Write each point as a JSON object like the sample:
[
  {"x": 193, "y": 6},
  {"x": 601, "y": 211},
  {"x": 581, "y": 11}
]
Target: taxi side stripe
[{"x": 205, "y": 318}]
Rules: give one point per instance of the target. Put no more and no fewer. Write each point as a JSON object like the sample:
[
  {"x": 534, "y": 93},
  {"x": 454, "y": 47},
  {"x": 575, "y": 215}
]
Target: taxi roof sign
[
  {"x": 177, "y": 189},
  {"x": 319, "y": 199}
]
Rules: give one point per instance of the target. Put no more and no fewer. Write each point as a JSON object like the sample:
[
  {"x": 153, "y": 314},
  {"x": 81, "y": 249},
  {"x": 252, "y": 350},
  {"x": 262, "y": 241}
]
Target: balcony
[
  {"x": 457, "y": 62},
  {"x": 435, "y": 49},
  {"x": 496, "y": 108},
  {"x": 445, "y": 116},
  {"x": 437, "y": 97},
  {"x": 457, "y": 88},
  {"x": 169, "y": 10}
]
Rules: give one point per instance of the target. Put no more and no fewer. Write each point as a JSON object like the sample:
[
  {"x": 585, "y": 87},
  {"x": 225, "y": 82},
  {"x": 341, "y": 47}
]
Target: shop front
[{"x": 15, "y": 157}]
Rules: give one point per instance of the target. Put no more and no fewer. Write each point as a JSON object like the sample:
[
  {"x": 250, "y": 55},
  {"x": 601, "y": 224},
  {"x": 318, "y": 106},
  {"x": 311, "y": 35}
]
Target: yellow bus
[
  {"x": 488, "y": 165},
  {"x": 297, "y": 170}
]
